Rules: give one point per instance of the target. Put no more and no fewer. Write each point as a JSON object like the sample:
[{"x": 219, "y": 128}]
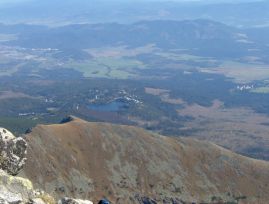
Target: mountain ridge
[
  {"x": 193, "y": 35},
  {"x": 119, "y": 11},
  {"x": 94, "y": 160}
]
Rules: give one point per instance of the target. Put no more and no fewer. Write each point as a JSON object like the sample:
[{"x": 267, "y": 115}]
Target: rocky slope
[{"x": 130, "y": 165}]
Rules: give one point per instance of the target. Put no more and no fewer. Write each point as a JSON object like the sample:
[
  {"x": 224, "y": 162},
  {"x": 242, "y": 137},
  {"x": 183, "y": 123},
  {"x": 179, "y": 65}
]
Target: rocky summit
[{"x": 126, "y": 164}]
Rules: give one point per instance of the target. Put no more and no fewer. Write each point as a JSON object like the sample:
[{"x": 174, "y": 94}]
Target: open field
[
  {"x": 4, "y": 95},
  {"x": 185, "y": 57},
  {"x": 231, "y": 69},
  {"x": 262, "y": 90},
  {"x": 121, "y": 51},
  {"x": 241, "y": 72},
  {"x": 7, "y": 37},
  {"x": 108, "y": 67},
  {"x": 123, "y": 62}
]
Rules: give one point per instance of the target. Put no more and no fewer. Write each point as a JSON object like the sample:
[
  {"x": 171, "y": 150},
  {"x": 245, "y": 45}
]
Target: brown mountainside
[{"x": 95, "y": 160}]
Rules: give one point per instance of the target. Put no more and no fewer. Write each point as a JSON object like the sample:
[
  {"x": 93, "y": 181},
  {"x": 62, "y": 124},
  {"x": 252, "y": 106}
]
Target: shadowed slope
[{"x": 92, "y": 160}]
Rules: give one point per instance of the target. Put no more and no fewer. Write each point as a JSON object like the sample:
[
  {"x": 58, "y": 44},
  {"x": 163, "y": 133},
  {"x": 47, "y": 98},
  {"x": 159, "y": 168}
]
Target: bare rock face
[
  {"x": 14, "y": 189},
  {"x": 17, "y": 190},
  {"x": 37, "y": 201},
  {"x": 73, "y": 201},
  {"x": 12, "y": 152},
  {"x": 12, "y": 158}
]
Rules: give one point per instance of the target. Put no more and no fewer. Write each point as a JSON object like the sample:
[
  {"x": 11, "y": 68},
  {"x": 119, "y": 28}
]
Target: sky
[
  {"x": 11, "y": 2},
  {"x": 18, "y": 1}
]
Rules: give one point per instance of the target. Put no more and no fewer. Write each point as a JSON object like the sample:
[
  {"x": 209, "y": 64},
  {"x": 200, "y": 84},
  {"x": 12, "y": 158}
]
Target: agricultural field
[{"x": 108, "y": 67}]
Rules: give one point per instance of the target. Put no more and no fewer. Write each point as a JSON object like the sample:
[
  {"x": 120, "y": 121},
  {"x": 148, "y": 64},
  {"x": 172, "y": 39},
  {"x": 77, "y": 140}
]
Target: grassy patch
[
  {"x": 261, "y": 90},
  {"x": 7, "y": 37},
  {"x": 121, "y": 51},
  {"x": 108, "y": 67},
  {"x": 241, "y": 72},
  {"x": 185, "y": 57}
]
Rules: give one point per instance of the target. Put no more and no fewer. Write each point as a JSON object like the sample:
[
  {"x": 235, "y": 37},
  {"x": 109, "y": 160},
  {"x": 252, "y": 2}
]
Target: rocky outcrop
[
  {"x": 17, "y": 190},
  {"x": 68, "y": 119},
  {"x": 147, "y": 200},
  {"x": 20, "y": 190},
  {"x": 12, "y": 152},
  {"x": 12, "y": 159},
  {"x": 73, "y": 201}
]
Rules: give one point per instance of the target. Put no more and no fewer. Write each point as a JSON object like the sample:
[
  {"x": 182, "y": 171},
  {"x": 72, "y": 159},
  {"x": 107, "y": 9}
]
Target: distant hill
[
  {"x": 124, "y": 164},
  {"x": 57, "y": 12},
  {"x": 198, "y": 37}
]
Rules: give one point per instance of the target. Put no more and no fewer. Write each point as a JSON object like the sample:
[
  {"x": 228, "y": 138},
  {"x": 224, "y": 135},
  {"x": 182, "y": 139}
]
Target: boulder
[
  {"x": 37, "y": 201},
  {"x": 73, "y": 201},
  {"x": 17, "y": 190},
  {"x": 12, "y": 152},
  {"x": 144, "y": 200},
  {"x": 14, "y": 189},
  {"x": 103, "y": 201}
]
